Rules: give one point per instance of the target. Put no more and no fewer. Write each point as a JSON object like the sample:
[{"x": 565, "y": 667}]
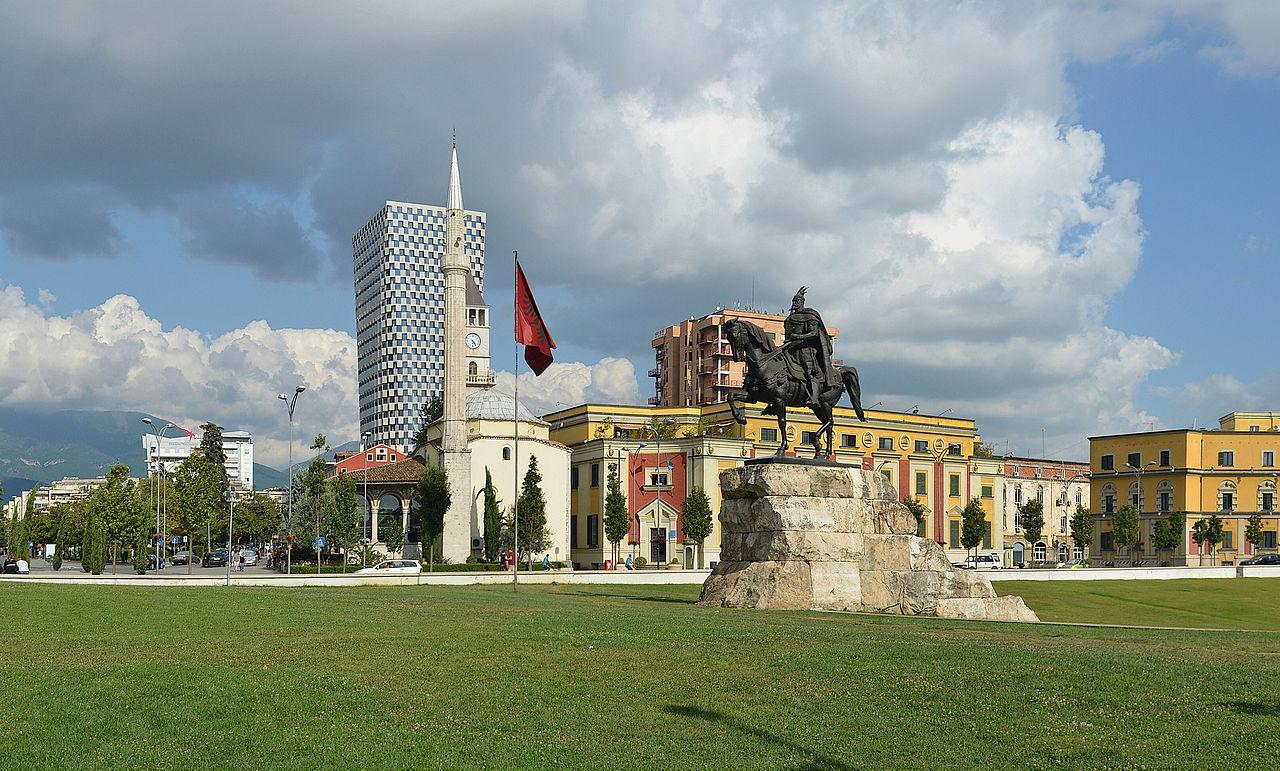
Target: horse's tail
[{"x": 849, "y": 374}]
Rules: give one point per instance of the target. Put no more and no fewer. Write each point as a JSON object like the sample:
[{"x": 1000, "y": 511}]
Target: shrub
[{"x": 640, "y": 562}]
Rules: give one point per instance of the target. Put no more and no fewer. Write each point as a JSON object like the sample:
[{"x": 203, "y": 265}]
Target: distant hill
[{"x": 38, "y": 447}]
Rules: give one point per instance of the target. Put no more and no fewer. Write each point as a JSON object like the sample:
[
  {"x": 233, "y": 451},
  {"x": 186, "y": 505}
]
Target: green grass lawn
[
  {"x": 616, "y": 677},
  {"x": 1236, "y": 603}
]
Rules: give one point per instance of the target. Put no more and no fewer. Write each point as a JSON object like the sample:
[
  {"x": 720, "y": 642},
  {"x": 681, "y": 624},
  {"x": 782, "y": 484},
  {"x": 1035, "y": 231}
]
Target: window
[
  {"x": 768, "y": 434},
  {"x": 1268, "y": 539},
  {"x": 986, "y": 538},
  {"x": 1268, "y": 502},
  {"x": 922, "y": 483},
  {"x": 368, "y": 456},
  {"x": 886, "y": 442},
  {"x": 1017, "y": 494},
  {"x": 573, "y": 478},
  {"x": 1226, "y": 539},
  {"x": 1108, "y": 462},
  {"x": 506, "y": 453},
  {"x": 1108, "y": 499},
  {"x": 1040, "y": 551},
  {"x": 955, "y": 534},
  {"x": 988, "y": 491},
  {"x": 1228, "y": 502},
  {"x": 1079, "y": 497},
  {"x": 573, "y": 530},
  {"x": 593, "y": 530},
  {"x": 1164, "y": 457},
  {"x": 1062, "y": 524},
  {"x": 954, "y": 449},
  {"x": 595, "y": 474},
  {"x": 922, "y": 445},
  {"x": 848, "y": 440},
  {"x": 1135, "y": 459},
  {"x": 1254, "y": 429},
  {"x": 1166, "y": 501},
  {"x": 1226, "y": 458},
  {"x": 1268, "y": 457},
  {"x": 1104, "y": 541},
  {"x": 807, "y": 437},
  {"x": 1077, "y": 553},
  {"x": 955, "y": 484},
  {"x": 1040, "y": 493},
  {"x": 382, "y": 454}
]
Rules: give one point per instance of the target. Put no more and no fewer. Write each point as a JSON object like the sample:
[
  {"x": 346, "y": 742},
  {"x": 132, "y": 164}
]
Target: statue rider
[{"x": 806, "y": 338}]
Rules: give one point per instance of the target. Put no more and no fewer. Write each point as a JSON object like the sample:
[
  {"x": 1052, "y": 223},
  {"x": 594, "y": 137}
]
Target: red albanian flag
[{"x": 531, "y": 331}]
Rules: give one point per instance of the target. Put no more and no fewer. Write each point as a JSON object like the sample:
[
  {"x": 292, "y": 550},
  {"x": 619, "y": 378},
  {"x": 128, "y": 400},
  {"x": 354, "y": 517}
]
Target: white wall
[{"x": 553, "y": 464}]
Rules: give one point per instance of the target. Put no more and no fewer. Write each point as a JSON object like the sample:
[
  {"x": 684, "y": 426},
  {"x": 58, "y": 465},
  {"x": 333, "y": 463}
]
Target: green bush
[{"x": 639, "y": 562}]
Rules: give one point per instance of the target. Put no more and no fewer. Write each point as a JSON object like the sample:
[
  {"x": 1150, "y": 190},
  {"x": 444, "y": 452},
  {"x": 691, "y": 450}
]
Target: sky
[{"x": 1059, "y": 219}]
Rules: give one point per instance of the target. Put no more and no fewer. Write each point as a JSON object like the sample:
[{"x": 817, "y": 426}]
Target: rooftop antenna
[{"x": 753, "y": 291}]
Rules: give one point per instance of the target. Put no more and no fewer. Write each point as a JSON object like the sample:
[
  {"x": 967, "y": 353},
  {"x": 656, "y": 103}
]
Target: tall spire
[{"x": 455, "y": 183}]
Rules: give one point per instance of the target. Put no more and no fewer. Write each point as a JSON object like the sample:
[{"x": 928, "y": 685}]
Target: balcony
[
  {"x": 654, "y": 401},
  {"x": 655, "y": 371},
  {"x": 485, "y": 379}
]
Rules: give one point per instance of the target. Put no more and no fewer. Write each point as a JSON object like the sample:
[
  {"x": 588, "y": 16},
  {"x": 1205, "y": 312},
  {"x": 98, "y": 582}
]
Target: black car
[
  {"x": 214, "y": 559},
  {"x": 1266, "y": 559}
]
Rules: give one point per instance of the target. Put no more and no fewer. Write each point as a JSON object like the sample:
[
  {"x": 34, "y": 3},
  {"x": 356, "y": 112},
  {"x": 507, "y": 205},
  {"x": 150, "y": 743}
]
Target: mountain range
[{"x": 38, "y": 447}]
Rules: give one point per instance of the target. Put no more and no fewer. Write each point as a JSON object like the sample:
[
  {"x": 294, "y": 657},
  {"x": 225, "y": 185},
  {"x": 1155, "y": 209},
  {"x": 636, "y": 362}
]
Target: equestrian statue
[{"x": 799, "y": 373}]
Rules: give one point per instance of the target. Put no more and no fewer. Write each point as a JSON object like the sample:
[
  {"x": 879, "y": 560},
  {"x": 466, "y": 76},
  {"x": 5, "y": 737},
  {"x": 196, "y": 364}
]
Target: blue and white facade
[{"x": 400, "y": 329}]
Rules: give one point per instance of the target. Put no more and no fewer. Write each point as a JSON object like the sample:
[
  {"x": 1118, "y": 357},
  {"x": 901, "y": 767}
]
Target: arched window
[
  {"x": 1062, "y": 552},
  {"x": 1164, "y": 497},
  {"x": 1109, "y": 499},
  {"x": 1267, "y": 496},
  {"x": 1135, "y": 495},
  {"x": 389, "y": 515},
  {"x": 473, "y": 369},
  {"x": 506, "y": 453},
  {"x": 1079, "y": 497},
  {"x": 1227, "y": 496},
  {"x": 1040, "y": 493},
  {"x": 1040, "y": 551},
  {"x": 1017, "y": 494}
]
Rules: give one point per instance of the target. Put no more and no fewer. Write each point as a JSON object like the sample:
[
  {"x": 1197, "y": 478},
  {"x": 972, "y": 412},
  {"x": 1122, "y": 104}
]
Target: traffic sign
[
  {"x": 317, "y": 543},
  {"x": 671, "y": 534}
]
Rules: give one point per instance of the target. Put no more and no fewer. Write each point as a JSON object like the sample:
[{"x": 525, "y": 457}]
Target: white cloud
[{"x": 611, "y": 381}]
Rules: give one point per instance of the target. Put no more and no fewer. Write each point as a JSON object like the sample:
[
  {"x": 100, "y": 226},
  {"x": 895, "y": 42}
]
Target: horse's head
[
  {"x": 737, "y": 341},
  {"x": 746, "y": 339}
]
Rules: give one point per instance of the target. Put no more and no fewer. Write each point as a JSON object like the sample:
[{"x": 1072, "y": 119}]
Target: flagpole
[{"x": 515, "y": 415}]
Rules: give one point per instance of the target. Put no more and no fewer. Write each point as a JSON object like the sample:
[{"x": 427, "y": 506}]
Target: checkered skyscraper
[{"x": 400, "y": 312}]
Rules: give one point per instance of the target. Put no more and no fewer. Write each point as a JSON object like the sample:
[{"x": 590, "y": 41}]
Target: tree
[
  {"x": 343, "y": 516},
  {"x": 198, "y": 496},
  {"x": 211, "y": 450},
  {"x": 1207, "y": 532},
  {"x": 1031, "y": 516},
  {"x": 18, "y": 540},
  {"x": 617, "y": 520},
  {"x": 983, "y": 450},
  {"x": 120, "y": 508},
  {"x": 663, "y": 428},
  {"x": 1125, "y": 527},
  {"x": 492, "y": 519},
  {"x": 61, "y": 515},
  {"x": 257, "y": 518},
  {"x": 429, "y": 412},
  {"x": 1082, "y": 530},
  {"x": 392, "y": 536},
  {"x": 140, "y": 550},
  {"x": 1253, "y": 530},
  {"x": 1166, "y": 533},
  {"x": 433, "y": 497},
  {"x": 695, "y": 518},
  {"x": 919, "y": 511},
  {"x": 973, "y": 527},
  {"x": 532, "y": 535},
  {"x": 94, "y": 557}
]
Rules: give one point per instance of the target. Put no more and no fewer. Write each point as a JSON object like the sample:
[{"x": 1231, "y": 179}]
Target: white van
[{"x": 990, "y": 561}]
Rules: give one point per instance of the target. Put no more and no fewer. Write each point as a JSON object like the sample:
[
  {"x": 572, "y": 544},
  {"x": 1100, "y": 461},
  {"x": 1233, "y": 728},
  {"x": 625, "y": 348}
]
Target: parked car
[
  {"x": 393, "y": 567},
  {"x": 984, "y": 562},
  {"x": 250, "y": 556},
  {"x": 151, "y": 561},
  {"x": 182, "y": 557},
  {"x": 214, "y": 559},
  {"x": 1072, "y": 565},
  {"x": 1266, "y": 559}
]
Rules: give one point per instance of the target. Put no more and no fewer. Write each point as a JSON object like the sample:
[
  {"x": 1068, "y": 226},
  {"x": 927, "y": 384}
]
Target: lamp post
[
  {"x": 290, "y": 402},
  {"x": 368, "y": 508},
  {"x": 1140, "y": 472},
  {"x": 231, "y": 521},
  {"x": 160, "y": 498}
]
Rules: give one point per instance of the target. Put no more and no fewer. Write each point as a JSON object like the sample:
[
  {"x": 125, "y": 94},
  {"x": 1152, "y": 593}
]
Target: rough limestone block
[
  {"x": 757, "y": 481},
  {"x": 892, "y": 518},
  {"x": 881, "y": 590},
  {"x": 776, "y": 512},
  {"x": 836, "y": 585},
  {"x": 990, "y": 609},
  {"x": 886, "y": 552},
  {"x": 928, "y": 555},
  {"x": 967, "y": 583},
  {"x": 774, "y": 585},
  {"x": 770, "y": 545}
]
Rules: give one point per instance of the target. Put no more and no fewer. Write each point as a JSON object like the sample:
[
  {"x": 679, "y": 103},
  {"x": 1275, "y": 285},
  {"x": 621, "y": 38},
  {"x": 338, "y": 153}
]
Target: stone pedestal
[{"x": 799, "y": 537}]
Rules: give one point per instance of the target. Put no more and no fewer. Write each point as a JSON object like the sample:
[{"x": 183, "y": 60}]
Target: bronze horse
[{"x": 769, "y": 380}]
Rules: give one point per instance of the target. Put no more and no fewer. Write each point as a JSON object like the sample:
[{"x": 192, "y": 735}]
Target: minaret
[{"x": 457, "y": 458}]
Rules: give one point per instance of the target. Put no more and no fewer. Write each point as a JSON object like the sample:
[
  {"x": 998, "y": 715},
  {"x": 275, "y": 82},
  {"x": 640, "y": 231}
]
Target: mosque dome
[{"x": 492, "y": 404}]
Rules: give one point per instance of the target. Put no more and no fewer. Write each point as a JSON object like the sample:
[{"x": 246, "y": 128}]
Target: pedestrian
[
  {"x": 240, "y": 561},
  {"x": 629, "y": 565},
  {"x": 546, "y": 562}
]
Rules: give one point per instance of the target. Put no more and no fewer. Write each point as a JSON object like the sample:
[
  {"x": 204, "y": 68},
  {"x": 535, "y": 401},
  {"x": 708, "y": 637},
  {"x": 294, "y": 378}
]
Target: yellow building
[
  {"x": 1230, "y": 471},
  {"x": 924, "y": 456}
]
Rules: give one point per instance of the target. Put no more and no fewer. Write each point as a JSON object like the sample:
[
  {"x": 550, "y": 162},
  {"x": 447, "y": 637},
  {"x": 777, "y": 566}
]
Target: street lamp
[
  {"x": 1140, "y": 472},
  {"x": 160, "y": 497},
  {"x": 231, "y": 521},
  {"x": 368, "y": 507},
  {"x": 290, "y": 402}
]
